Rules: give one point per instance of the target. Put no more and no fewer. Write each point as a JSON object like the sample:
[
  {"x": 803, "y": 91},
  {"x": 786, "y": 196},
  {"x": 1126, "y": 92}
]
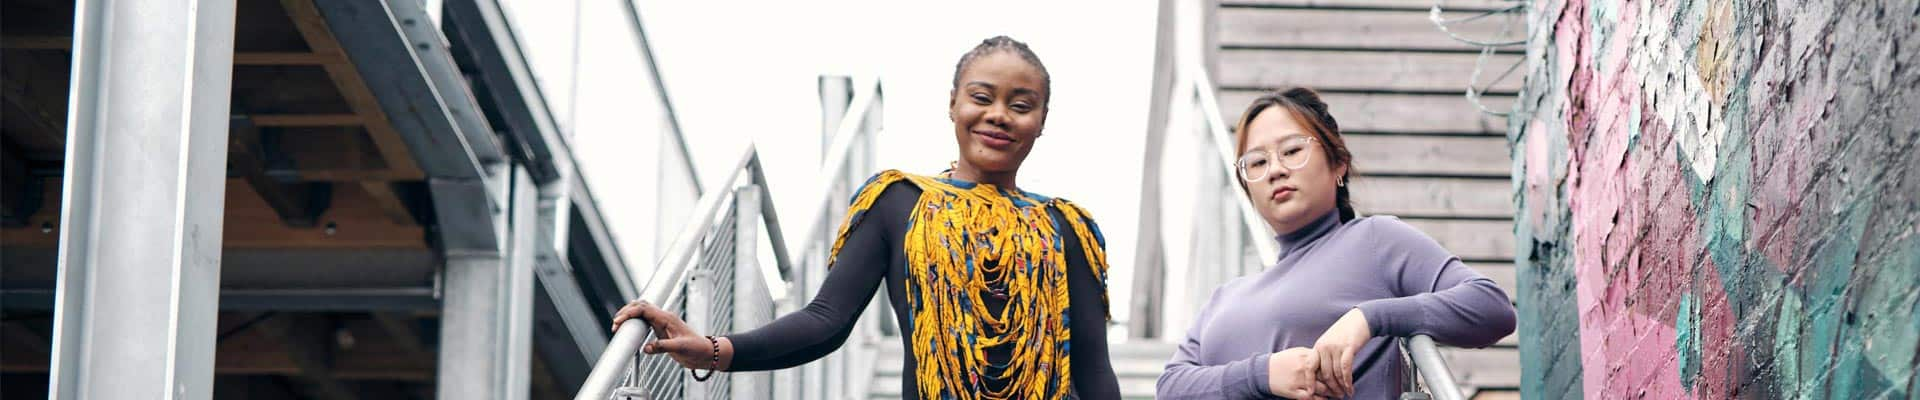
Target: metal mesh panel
[{"x": 709, "y": 288}]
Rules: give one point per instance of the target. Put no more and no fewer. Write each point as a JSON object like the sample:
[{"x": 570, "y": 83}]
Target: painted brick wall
[{"x": 1719, "y": 198}]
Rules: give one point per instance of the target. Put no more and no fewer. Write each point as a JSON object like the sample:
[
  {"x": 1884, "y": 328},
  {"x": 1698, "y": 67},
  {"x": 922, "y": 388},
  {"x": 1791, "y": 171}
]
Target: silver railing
[{"x": 712, "y": 276}]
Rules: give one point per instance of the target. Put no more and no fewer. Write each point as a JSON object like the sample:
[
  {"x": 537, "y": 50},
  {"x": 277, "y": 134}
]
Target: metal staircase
[{"x": 1426, "y": 154}]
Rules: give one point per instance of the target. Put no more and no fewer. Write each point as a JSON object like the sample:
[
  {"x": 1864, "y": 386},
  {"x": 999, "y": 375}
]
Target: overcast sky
[{"x": 742, "y": 72}]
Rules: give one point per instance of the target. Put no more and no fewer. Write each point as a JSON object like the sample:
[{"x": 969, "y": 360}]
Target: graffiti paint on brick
[{"x": 1719, "y": 198}]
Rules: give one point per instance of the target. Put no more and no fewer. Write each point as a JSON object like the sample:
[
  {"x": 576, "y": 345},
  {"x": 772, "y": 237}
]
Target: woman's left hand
[{"x": 1336, "y": 349}]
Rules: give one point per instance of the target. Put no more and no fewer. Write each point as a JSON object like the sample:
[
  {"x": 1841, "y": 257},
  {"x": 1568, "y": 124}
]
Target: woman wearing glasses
[{"x": 1323, "y": 320}]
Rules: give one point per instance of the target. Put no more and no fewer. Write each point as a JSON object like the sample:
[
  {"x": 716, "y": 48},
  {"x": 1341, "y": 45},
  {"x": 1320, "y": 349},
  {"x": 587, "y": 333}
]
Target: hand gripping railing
[
  {"x": 697, "y": 279},
  {"x": 711, "y": 277}
]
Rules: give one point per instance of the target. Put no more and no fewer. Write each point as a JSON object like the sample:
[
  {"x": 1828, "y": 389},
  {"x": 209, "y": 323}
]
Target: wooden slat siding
[
  {"x": 1396, "y": 113},
  {"x": 1492, "y": 367},
  {"x": 1360, "y": 71},
  {"x": 1462, "y": 156},
  {"x": 1462, "y": 5},
  {"x": 1306, "y": 28},
  {"x": 1500, "y": 272},
  {"x": 1497, "y": 394},
  {"x": 1470, "y": 239},
  {"x": 1444, "y": 198}
]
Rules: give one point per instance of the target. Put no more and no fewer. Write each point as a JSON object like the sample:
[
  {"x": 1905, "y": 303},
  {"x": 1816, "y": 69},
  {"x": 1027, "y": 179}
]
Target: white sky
[{"x": 746, "y": 71}]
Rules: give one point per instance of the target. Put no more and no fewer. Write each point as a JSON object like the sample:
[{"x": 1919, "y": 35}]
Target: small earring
[{"x": 1343, "y": 182}]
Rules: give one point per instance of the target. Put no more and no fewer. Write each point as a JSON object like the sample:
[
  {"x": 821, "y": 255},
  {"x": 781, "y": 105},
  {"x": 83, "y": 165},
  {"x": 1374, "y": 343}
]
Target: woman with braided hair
[{"x": 1000, "y": 292}]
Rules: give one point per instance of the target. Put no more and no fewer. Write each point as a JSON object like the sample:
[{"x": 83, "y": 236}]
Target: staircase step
[
  {"x": 1451, "y": 5},
  {"x": 1360, "y": 71},
  {"x": 1472, "y": 240},
  {"x": 1372, "y": 29},
  {"x": 1431, "y": 197},
  {"x": 1492, "y": 367},
  {"x": 1444, "y": 113},
  {"x": 1137, "y": 365}
]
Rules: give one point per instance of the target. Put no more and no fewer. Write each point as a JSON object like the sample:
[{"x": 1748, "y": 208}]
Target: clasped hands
[{"x": 1324, "y": 371}]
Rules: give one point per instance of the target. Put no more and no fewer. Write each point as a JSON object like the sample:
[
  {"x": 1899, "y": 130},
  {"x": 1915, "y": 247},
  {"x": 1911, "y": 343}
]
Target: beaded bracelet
[{"x": 715, "y": 366}]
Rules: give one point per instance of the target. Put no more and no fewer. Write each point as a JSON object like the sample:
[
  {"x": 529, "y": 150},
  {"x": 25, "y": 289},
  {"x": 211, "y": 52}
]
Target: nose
[
  {"x": 997, "y": 116},
  {"x": 1277, "y": 172}
]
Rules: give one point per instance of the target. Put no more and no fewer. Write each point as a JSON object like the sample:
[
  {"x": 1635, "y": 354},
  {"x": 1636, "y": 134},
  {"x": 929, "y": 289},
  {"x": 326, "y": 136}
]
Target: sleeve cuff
[
  {"x": 1259, "y": 374},
  {"x": 1397, "y": 317}
]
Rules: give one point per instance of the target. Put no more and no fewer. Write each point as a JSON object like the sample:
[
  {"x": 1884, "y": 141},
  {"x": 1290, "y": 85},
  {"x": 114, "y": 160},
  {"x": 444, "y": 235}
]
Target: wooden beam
[
  {"x": 356, "y": 223},
  {"x": 401, "y": 328},
  {"x": 313, "y": 27},
  {"x": 287, "y": 58},
  {"x": 306, "y": 120},
  {"x": 299, "y": 204},
  {"x": 309, "y": 344},
  {"x": 16, "y": 42},
  {"x": 20, "y": 42},
  {"x": 270, "y": 349},
  {"x": 388, "y": 201}
]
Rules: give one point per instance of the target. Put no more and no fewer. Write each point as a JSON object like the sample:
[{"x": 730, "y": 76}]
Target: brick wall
[{"x": 1718, "y": 198}]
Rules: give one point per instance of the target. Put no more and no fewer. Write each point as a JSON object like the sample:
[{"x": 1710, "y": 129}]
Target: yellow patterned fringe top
[{"x": 964, "y": 239}]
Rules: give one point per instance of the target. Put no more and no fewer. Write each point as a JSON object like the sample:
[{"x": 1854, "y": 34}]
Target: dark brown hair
[
  {"x": 1306, "y": 106},
  {"x": 1003, "y": 43}
]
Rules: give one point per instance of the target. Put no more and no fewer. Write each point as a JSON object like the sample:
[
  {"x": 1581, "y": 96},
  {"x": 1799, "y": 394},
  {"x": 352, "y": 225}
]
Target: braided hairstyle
[
  {"x": 1007, "y": 44},
  {"x": 1306, "y": 106}
]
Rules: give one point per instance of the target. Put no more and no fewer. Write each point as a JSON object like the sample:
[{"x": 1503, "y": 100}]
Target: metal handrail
[
  {"x": 1432, "y": 368},
  {"x": 1204, "y": 94},
  {"x": 668, "y": 280}
]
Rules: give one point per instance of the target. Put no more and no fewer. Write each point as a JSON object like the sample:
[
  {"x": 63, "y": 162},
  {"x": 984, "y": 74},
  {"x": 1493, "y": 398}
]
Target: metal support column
[
  {"x": 752, "y": 305},
  {"x": 486, "y": 318},
  {"x": 516, "y": 302},
  {"x": 138, "y": 286},
  {"x": 836, "y": 96}
]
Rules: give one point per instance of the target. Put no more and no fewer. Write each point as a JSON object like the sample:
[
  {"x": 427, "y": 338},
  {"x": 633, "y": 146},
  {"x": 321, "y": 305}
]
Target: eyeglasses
[{"x": 1292, "y": 153}]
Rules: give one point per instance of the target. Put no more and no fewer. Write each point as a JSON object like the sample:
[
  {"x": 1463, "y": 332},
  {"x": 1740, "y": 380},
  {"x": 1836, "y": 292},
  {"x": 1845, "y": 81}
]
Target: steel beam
[
  {"x": 486, "y": 322},
  {"x": 137, "y": 290}
]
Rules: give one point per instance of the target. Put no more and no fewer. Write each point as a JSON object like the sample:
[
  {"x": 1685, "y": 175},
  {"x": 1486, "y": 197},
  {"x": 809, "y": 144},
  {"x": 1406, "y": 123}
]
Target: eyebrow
[
  {"x": 1017, "y": 91},
  {"x": 1277, "y": 141}
]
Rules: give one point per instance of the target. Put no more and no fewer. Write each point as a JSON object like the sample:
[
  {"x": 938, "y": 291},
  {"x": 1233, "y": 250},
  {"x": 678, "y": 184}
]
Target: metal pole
[
  {"x": 836, "y": 95},
  {"x": 472, "y": 332},
  {"x": 753, "y": 306},
  {"x": 516, "y": 300},
  {"x": 137, "y": 293},
  {"x": 1433, "y": 368}
]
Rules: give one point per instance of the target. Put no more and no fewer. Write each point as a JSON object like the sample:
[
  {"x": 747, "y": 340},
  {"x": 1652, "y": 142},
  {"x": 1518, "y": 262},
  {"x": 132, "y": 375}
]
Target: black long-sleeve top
[{"x": 872, "y": 254}]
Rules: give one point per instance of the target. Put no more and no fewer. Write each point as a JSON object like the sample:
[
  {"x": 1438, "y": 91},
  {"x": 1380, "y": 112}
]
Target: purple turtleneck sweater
[{"x": 1402, "y": 280}]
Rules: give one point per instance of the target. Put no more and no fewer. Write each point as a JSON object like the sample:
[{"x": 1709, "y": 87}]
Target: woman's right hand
[
  {"x": 673, "y": 337},
  {"x": 1293, "y": 373}
]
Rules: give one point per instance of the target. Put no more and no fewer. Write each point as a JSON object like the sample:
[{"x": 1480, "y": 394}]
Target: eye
[
  {"x": 1022, "y": 107},
  {"x": 982, "y": 98},
  {"x": 1260, "y": 162},
  {"x": 1291, "y": 152}
]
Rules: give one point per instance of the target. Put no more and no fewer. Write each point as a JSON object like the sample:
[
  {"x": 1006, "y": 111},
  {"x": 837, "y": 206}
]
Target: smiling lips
[{"x": 994, "y": 139}]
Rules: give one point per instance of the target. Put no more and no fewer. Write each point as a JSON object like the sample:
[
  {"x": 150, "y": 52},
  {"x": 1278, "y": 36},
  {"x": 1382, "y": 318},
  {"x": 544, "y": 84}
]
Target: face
[
  {"x": 997, "y": 111},
  {"x": 1289, "y": 198}
]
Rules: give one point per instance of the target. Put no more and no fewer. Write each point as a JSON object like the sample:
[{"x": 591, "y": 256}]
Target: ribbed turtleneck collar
[{"x": 1307, "y": 234}]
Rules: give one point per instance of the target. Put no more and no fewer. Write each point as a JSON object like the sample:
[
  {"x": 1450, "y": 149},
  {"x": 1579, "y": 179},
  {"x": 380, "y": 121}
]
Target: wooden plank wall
[{"x": 1396, "y": 85}]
